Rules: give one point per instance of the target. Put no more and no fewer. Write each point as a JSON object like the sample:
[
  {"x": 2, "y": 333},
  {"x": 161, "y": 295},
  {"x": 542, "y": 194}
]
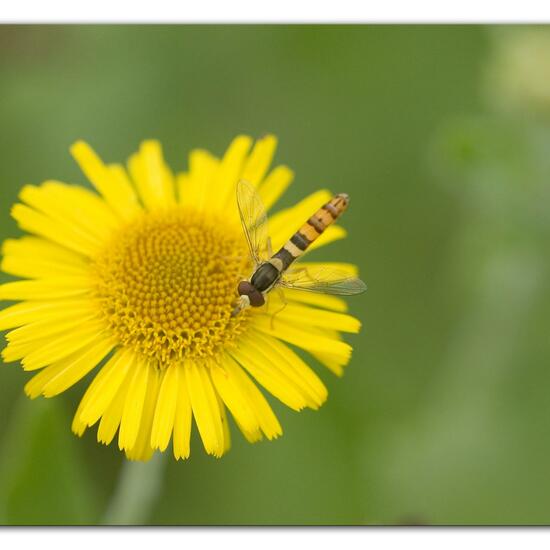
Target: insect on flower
[
  {"x": 271, "y": 271},
  {"x": 136, "y": 281}
]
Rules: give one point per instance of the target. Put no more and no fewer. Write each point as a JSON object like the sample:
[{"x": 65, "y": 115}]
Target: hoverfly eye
[
  {"x": 255, "y": 297},
  {"x": 245, "y": 288}
]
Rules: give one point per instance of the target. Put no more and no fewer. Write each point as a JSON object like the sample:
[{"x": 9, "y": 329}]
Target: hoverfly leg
[
  {"x": 269, "y": 247},
  {"x": 283, "y": 300}
]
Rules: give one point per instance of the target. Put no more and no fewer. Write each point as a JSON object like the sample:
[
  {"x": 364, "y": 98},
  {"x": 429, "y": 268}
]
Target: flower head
[{"x": 139, "y": 279}]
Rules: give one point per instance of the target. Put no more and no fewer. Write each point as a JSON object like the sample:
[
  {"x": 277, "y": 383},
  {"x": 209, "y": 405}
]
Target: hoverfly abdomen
[{"x": 312, "y": 229}]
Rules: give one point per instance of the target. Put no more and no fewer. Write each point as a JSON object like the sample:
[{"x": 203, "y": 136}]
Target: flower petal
[
  {"x": 303, "y": 337},
  {"x": 261, "y": 368},
  {"x": 259, "y": 160},
  {"x": 133, "y": 406},
  {"x": 205, "y": 408},
  {"x": 163, "y": 421},
  {"x": 62, "y": 374},
  {"x": 152, "y": 176},
  {"x": 46, "y": 289},
  {"x": 183, "y": 417},
  {"x": 59, "y": 232},
  {"x": 72, "y": 205},
  {"x": 45, "y": 329},
  {"x": 104, "y": 386},
  {"x": 78, "y": 367},
  {"x": 193, "y": 187},
  {"x": 142, "y": 449},
  {"x": 110, "y": 419},
  {"x": 63, "y": 346},
  {"x": 274, "y": 185},
  {"x": 293, "y": 367},
  {"x": 266, "y": 418},
  {"x": 234, "y": 396},
  {"x": 26, "y": 312},
  {"x": 111, "y": 181},
  {"x": 222, "y": 192},
  {"x": 297, "y": 314},
  {"x": 32, "y": 257}
]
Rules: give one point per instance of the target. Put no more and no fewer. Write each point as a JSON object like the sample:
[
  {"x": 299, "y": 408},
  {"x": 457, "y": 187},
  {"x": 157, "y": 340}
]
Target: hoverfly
[{"x": 272, "y": 270}]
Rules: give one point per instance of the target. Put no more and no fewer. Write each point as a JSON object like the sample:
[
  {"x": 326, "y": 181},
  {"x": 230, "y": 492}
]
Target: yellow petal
[
  {"x": 40, "y": 330},
  {"x": 128, "y": 207},
  {"x": 205, "y": 408},
  {"x": 77, "y": 426},
  {"x": 57, "y": 231},
  {"x": 152, "y": 176},
  {"x": 78, "y": 367},
  {"x": 225, "y": 425},
  {"x": 302, "y": 336},
  {"x": 165, "y": 411},
  {"x": 62, "y": 374},
  {"x": 234, "y": 396},
  {"x": 33, "y": 388},
  {"x": 26, "y": 312},
  {"x": 194, "y": 187},
  {"x": 105, "y": 385},
  {"x": 58, "y": 348},
  {"x": 133, "y": 406},
  {"x": 259, "y": 160},
  {"x": 111, "y": 418},
  {"x": 72, "y": 205},
  {"x": 222, "y": 191},
  {"x": 142, "y": 449},
  {"x": 15, "y": 352},
  {"x": 266, "y": 418},
  {"x": 331, "y": 234},
  {"x": 46, "y": 289},
  {"x": 292, "y": 366},
  {"x": 304, "y": 383},
  {"x": 313, "y": 317},
  {"x": 111, "y": 181},
  {"x": 274, "y": 185},
  {"x": 272, "y": 379},
  {"x": 333, "y": 364},
  {"x": 182, "y": 420},
  {"x": 35, "y": 258},
  {"x": 314, "y": 299}
]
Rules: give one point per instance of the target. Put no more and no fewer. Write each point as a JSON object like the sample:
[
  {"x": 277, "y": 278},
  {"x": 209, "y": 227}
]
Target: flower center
[{"x": 167, "y": 284}]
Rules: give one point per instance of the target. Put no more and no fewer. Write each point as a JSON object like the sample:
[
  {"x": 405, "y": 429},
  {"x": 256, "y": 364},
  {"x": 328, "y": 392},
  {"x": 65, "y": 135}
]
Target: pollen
[{"x": 167, "y": 283}]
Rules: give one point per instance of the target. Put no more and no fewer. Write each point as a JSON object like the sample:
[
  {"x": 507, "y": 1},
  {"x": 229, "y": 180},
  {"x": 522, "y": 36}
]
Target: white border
[
  {"x": 274, "y": 11},
  {"x": 275, "y": 539}
]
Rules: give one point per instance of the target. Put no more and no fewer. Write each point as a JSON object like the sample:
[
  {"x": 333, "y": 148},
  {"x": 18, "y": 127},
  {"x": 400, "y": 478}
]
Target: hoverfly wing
[
  {"x": 323, "y": 280},
  {"x": 253, "y": 219}
]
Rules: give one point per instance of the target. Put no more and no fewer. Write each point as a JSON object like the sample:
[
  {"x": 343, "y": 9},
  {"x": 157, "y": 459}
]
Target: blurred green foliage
[{"x": 443, "y": 414}]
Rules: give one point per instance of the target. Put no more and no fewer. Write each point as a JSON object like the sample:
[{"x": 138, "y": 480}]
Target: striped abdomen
[{"x": 312, "y": 229}]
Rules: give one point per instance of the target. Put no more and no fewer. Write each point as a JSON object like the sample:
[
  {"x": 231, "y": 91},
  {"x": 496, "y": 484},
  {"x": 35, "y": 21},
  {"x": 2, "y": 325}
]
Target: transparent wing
[
  {"x": 253, "y": 219},
  {"x": 324, "y": 280}
]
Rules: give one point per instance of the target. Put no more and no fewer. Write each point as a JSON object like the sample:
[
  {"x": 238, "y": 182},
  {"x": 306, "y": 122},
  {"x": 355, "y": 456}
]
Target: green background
[{"x": 443, "y": 414}]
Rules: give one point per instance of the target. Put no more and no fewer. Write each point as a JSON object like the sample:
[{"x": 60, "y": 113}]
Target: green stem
[{"x": 138, "y": 488}]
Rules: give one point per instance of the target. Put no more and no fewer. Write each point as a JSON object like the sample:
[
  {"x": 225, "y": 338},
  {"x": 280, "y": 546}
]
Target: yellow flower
[{"x": 141, "y": 278}]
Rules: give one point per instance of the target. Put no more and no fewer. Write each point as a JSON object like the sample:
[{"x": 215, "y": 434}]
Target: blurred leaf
[{"x": 42, "y": 480}]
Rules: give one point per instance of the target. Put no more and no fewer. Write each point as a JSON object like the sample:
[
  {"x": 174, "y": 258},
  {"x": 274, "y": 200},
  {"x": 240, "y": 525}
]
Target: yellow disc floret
[{"x": 166, "y": 283}]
